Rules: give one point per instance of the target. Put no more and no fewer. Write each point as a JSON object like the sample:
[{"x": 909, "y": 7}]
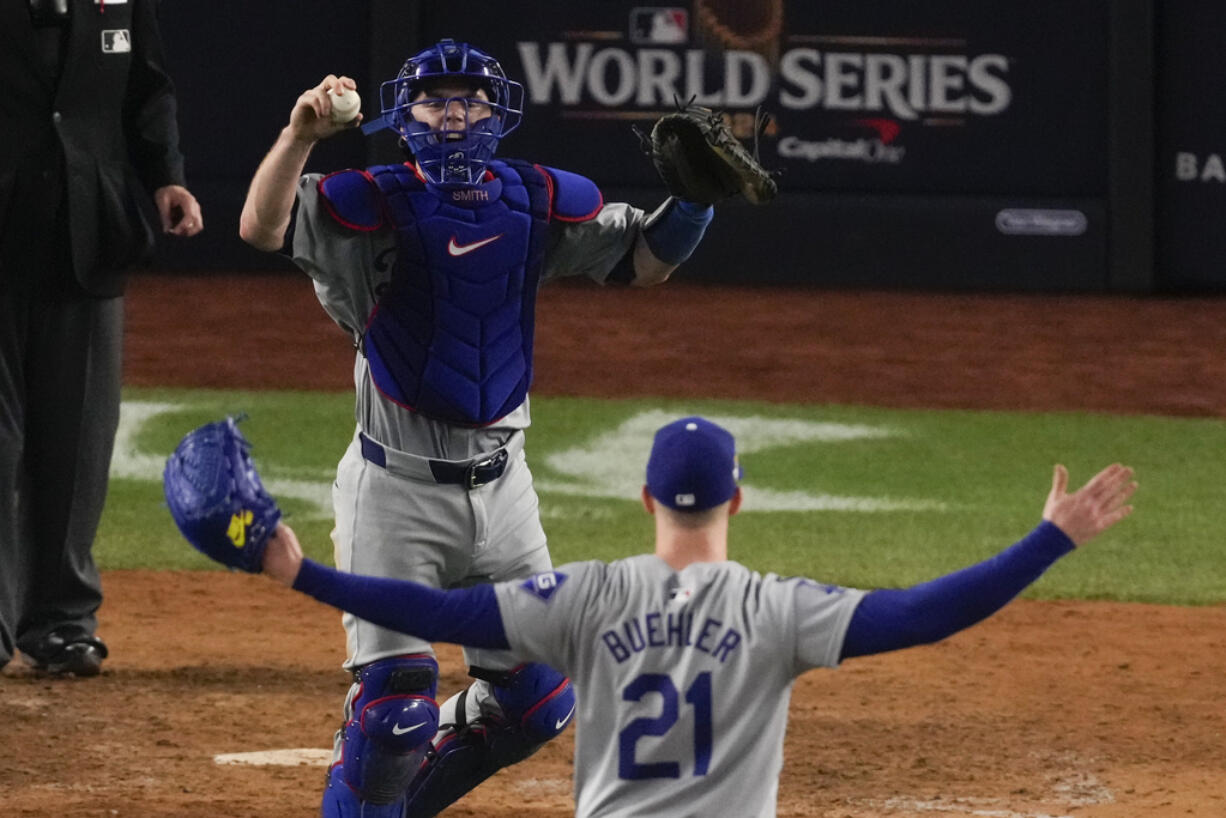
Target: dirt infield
[{"x": 1048, "y": 709}]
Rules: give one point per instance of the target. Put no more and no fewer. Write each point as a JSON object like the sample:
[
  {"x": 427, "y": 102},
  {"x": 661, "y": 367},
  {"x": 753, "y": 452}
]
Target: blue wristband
[{"x": 673, "y": 237}]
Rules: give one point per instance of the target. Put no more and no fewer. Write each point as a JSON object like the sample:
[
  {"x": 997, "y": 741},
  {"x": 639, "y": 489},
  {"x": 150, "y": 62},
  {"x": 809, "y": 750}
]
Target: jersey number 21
[{"x": 698, "y": 695}]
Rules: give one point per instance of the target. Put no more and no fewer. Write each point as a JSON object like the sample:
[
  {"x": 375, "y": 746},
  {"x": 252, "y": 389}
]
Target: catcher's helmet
[{"x": 454, "y": 156}]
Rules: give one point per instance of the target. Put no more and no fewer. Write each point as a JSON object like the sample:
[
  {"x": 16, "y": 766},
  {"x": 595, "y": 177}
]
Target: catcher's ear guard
[{"x": 216, "y": 498}]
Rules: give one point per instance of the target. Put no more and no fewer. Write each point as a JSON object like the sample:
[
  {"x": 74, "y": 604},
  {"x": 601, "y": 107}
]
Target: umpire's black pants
[{"x": 60, "y": 372}]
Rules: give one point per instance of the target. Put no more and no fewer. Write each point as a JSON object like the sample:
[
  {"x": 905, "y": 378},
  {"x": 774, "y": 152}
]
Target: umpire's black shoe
[{"x": 68, "y": 650}]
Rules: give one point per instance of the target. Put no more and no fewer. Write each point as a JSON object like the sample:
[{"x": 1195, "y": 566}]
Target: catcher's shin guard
[
  {"x": 340, "y": 801},
  {"x": 392, "y": 717},
  {"x": 537, "y": 703}
]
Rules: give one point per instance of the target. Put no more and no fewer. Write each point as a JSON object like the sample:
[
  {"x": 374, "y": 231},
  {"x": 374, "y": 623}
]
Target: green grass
[{"x": 988, "y": 471}]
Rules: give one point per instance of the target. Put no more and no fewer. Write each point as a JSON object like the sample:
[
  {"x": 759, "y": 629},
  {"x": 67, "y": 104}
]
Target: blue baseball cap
[{"x": 693, "y": 465}]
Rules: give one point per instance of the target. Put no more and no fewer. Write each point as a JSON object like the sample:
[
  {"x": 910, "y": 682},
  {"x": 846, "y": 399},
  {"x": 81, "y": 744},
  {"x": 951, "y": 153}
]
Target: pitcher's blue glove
[{"x": 216, "y": 497}]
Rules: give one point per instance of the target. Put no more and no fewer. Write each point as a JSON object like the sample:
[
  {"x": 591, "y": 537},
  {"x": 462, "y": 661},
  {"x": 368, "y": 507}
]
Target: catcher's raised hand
[
  {"x": 311, "y": 118},
  {"x": 1092, "y": 509}
]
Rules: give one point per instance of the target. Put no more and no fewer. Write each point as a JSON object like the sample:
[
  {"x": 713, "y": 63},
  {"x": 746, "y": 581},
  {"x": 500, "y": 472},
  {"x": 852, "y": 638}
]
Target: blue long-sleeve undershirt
[
  {"x": 889, "y": 619},
  {"x": 463, "y": 616},
  {"x": 885, "y": 619}
]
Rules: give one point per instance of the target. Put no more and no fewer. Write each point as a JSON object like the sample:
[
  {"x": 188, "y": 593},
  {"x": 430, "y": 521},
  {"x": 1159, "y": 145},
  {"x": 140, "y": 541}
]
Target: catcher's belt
[{"x": 472, "y": 473}]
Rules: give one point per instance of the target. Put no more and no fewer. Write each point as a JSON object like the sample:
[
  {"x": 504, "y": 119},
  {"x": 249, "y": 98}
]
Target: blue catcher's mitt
[{"x": 216, "y": 497}]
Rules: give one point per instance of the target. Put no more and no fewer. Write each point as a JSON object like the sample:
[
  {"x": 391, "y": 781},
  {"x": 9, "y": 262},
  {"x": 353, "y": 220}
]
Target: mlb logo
[
  {"x": 659, "y": 26},
  {"x": 116, "y": 41}
]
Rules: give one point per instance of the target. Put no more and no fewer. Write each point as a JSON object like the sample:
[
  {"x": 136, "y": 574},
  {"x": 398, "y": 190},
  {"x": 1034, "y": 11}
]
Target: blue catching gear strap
[
  {"x": 537, "y": 701},
  {"x": 392, "y": 718}
]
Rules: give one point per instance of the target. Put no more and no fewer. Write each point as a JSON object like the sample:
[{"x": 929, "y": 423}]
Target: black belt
[{"x": 468, "y": 473}]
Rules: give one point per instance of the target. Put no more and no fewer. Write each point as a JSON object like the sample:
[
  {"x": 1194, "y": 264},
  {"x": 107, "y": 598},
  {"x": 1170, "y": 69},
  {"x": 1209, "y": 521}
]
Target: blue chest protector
[{"x": 451, "y": 336}]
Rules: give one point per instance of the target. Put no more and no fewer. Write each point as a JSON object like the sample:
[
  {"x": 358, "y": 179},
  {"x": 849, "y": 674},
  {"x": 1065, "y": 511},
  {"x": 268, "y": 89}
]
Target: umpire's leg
[
  {"x": 15, "y": 552},
  {"x": 73, "y": 384}
]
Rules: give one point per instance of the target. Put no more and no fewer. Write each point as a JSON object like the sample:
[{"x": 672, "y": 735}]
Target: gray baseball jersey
[
  {"x": 683, "y": 678},
  {"x": 396, "y": 523}
]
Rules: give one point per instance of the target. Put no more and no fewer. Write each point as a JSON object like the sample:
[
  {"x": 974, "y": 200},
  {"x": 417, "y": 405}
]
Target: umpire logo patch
[{"x": 544, "y": 585}]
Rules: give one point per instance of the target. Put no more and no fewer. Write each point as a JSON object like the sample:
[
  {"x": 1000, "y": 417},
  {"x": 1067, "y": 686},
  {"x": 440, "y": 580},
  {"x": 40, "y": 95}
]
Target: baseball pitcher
[
  {"x": 432, "y": 266},
  {"x": 683, "y": 662}
]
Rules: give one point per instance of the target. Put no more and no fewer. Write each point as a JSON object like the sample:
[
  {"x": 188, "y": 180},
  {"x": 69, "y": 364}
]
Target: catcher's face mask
[{"x": 452, "y": 137}]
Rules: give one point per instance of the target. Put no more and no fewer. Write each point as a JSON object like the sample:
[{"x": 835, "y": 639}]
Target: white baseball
[{"x": 345, "y": 105}]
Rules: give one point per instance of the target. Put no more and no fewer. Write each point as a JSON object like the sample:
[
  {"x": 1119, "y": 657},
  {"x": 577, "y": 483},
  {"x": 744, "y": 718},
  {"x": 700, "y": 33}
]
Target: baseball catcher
[
  {"x": 216, "y": 497},
  {"x": 432, "y": 267}
]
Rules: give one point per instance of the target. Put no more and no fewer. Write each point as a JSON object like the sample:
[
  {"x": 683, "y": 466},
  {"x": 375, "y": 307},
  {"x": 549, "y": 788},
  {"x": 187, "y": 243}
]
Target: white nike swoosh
[
  {"x": 562, "y": 721},
  {"x": 460, "y": 249},
  {"x": 397, "y": 730}
]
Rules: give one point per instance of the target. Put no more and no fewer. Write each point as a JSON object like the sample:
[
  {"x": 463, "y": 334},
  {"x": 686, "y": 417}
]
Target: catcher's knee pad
[
  {"x": 392, "y": 717},
  {"x": 536, "y": 698},
  {"x": 537, "y": 703}
]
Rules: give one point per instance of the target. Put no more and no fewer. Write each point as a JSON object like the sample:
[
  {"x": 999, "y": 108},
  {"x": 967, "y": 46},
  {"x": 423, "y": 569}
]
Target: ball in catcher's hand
[{"x": 345, "y": 105}]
